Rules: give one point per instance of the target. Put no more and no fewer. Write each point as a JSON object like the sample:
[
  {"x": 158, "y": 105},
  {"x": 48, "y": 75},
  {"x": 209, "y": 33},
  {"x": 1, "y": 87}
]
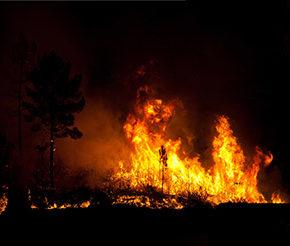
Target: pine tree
[{"x": 53, "y": 99}]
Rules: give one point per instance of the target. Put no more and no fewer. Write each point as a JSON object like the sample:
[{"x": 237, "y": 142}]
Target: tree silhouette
[
  {"x": 53, "y": 99},
  {"x": 23, "y": 59}
]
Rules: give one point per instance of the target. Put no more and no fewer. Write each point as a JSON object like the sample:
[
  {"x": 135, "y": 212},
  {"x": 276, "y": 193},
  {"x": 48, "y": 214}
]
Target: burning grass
[
  {"x": 117, "y": 198},
  {"x": 162, "y": 163}
]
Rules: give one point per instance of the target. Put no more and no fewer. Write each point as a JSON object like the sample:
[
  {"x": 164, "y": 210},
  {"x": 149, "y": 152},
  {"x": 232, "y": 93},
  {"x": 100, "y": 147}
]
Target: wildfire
[
  {"x": 84, "y": 204},
  {"x": 156, "y": 162}
]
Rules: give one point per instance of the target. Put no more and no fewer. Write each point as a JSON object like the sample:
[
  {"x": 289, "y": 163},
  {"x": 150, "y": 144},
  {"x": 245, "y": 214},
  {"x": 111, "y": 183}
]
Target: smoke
[
  {"x": 108, "y": 103},
  {"x": 103, "y": 144}
]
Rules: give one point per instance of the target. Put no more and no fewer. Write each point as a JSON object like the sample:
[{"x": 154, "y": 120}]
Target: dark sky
[{"x": 230, "y": 57}]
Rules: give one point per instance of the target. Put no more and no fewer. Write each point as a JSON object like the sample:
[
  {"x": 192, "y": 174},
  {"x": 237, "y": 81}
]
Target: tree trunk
[{"x": 51, "y": 159}]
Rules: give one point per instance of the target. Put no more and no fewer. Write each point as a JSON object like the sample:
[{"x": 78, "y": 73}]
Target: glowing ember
[
  {"x": 3, "y": 203},
  {"x": 84, "y": 204},
  {"x": 156, "y": 161},
  {"x": 145, "y": 201}
]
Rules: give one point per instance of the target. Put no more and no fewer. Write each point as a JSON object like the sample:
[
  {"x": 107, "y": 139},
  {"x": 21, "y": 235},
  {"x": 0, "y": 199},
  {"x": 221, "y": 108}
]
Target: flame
[
  {"x": 84, "y": 204},
  {"x": 156, "y": 161},
  {"x": 3, "y": 203},
  {"x": 276, "y": 198}
]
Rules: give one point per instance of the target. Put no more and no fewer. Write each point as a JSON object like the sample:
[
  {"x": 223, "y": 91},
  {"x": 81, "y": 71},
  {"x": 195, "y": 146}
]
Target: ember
[
  {"x": 145, "y": 201},
  {"x": 3, "y": 203},
  {"x": 84, "y": 204}
]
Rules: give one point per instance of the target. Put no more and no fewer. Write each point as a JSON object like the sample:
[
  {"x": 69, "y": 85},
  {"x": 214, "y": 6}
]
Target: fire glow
[
  {"x": 160, "y": 163},
  {"x": 161, "y": 174}
]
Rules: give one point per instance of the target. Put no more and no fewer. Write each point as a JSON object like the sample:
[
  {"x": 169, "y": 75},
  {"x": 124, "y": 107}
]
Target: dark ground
[{"x": 244, "y": 224}]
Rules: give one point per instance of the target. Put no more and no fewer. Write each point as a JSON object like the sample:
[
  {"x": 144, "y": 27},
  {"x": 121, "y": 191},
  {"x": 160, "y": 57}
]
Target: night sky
[{"x": 221, "y": 58}]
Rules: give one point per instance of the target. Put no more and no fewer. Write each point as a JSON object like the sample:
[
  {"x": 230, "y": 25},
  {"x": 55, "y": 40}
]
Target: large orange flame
[{"x": 156, "y": 161}]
